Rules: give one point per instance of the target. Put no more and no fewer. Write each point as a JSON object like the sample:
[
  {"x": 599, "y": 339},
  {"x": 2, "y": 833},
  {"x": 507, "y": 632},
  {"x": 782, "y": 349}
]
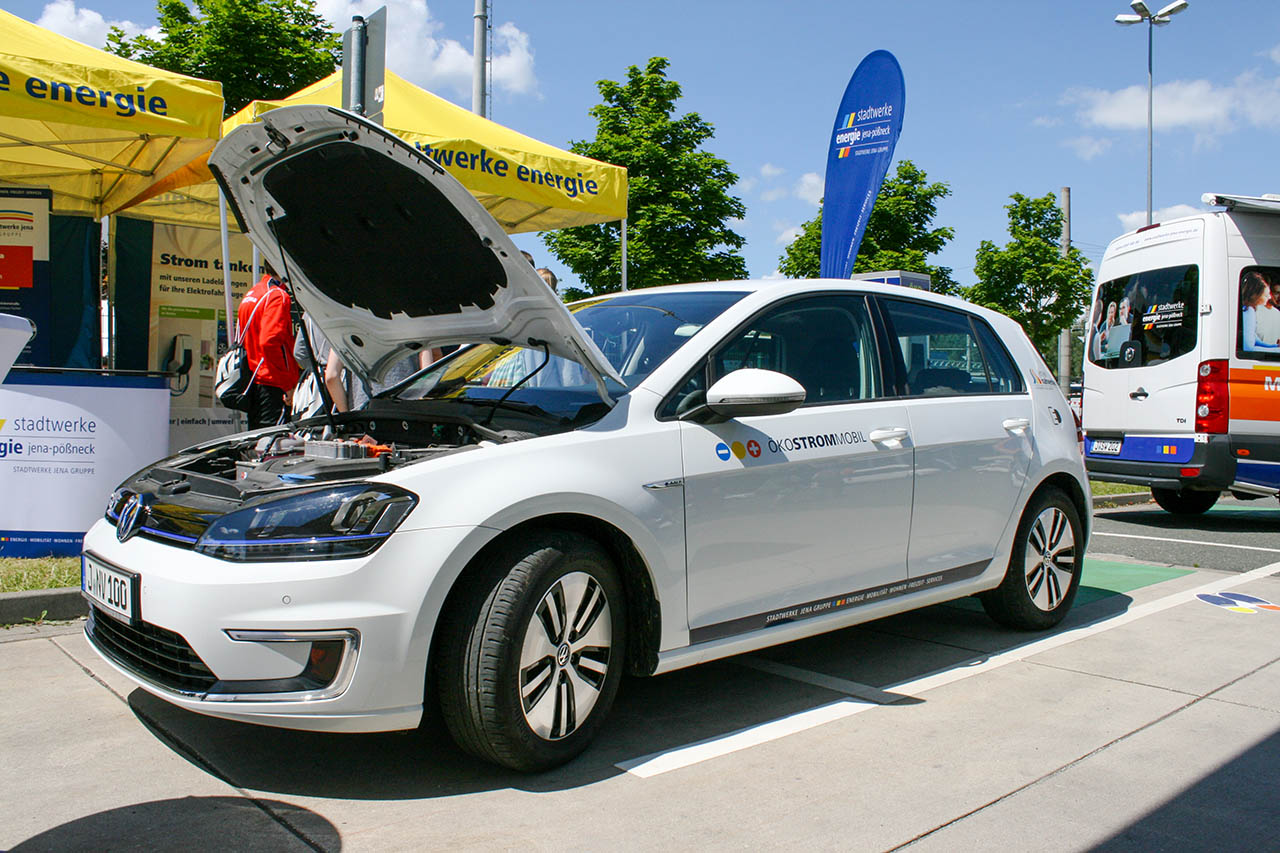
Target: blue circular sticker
[{"x": 722, "y": 450}]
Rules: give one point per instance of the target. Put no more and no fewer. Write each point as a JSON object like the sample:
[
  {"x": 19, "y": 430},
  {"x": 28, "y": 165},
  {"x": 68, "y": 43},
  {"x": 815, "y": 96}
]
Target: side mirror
[{"x": 751, "y": 391}]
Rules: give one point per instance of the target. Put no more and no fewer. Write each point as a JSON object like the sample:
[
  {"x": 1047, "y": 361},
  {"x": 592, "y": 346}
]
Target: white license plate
[
  {"x": 1109, "y": 446},
  {"x": 111, "y": 589}
]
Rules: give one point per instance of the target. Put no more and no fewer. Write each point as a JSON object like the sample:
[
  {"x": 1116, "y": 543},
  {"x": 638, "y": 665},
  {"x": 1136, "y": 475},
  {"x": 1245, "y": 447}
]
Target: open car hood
[{"x": 385, "y": 250}]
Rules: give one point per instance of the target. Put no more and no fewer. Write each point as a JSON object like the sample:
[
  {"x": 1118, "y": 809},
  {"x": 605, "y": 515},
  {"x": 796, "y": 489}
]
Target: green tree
[
  {"x": 258, "y": 49},
  {"x": 899, "y": 233},
  {"x": 1029, "y": 279},
  {"x": 678, "y": 206}
]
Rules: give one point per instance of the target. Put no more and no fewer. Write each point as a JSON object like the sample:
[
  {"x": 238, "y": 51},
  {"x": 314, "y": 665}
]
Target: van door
[{"x": 1142, "y": 354}]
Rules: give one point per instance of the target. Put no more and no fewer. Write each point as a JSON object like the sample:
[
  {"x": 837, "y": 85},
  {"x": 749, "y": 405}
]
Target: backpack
[{"x": 232, "y": 380}]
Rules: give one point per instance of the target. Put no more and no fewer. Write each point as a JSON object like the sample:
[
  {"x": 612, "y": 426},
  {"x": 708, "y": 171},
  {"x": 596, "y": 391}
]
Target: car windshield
[{"x": 636, "y": 332}]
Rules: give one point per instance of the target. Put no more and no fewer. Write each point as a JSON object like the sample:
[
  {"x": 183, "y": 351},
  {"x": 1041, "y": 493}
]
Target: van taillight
[{"x": 1213, "y": 405}]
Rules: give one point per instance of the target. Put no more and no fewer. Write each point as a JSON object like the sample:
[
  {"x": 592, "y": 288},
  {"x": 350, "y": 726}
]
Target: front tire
[
  {"x": 1040, "y": 584},
  {"x": 1184, "y": 502},
  {"x": 533, "y": 650}
]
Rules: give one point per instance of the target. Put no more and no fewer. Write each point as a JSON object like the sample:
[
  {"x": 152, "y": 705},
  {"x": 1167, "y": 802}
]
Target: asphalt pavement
[{"x": 1149, "y": 720}]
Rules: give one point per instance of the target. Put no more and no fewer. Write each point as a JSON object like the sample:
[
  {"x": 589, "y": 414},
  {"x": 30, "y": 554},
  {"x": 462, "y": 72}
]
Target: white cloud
[
  {"x": 1274, "y": 53},
  {"x": 417, "y": 50},
  {"x": 1138, "y": 218},
  {"x": 1046, "y": 121},
  {"x": 771, "y": 171},
  {"x": 746, "y": 185},
  {"x": 809, "y": 188},
  {"x": 1195, "y": 105},
  {"x": 775, "y": 194},
  {"x": 776, "y": 275},
  {"x": 788, "y": 234},
  {"x": 1087, "y": 147},
  {"x": 85, "y": 25}
]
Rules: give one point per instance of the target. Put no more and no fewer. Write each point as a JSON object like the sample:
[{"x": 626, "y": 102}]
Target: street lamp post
[{"x": 1159, "y": 19}]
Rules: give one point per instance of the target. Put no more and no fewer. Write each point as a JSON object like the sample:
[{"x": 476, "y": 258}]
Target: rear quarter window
[{"x": 1146, "y": 318}]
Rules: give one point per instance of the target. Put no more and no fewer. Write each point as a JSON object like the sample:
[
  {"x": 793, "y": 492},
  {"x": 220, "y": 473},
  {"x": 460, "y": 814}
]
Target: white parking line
[
  {"x": 683, "y": 756},
  {"x": 1186, "y": 541}
]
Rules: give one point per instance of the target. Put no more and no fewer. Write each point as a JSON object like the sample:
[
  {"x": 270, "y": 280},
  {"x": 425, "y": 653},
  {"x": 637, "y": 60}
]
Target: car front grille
[{"x": 160, "y": 656}]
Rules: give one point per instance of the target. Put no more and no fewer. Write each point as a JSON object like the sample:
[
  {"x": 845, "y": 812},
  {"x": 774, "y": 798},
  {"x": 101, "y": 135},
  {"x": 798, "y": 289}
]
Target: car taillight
[
  {"x": 1213, "y": 405},
  {"x": 1079, "y": 427}
]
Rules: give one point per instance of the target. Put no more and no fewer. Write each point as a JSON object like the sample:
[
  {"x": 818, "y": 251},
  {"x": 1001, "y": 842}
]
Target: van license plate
[
  {"x": 111, "y": 589},
  {"x": 1107, "y": 446}
]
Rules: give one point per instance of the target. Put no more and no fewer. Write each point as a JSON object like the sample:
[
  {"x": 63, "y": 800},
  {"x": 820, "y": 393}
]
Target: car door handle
[
  {"x": 888, "y": 434},
  {"x": 1140, "y": 394},
  {"x": 1016, "y": 424}
]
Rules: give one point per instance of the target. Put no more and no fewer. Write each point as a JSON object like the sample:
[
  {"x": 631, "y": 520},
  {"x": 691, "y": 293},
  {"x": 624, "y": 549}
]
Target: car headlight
[{"x": 323, "y": 524}]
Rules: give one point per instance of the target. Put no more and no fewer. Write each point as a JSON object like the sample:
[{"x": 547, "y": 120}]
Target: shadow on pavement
[
  {"x": 1249, "y": 519},
  {"x": 192, "y": 823},
  {"x": 1232, "y": 808},
  {"x": 650, "y": 715}
]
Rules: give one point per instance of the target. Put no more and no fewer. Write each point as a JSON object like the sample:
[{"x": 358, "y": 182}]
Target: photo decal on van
[
  {"x": 1145, "y": 318},
  {"x": 1258, "y": 334}
]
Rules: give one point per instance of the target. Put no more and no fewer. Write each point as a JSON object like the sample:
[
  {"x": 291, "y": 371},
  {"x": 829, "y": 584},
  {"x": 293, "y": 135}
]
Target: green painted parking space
[
  {"x": 1105, "y": 578},
  {"x": 1262, "y": 507}
]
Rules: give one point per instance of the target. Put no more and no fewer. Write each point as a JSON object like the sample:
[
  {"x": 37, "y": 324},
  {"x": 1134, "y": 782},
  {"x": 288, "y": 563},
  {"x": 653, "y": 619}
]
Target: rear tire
[
  {"x": 1184, "y": 502},
  {"x": 1040, "y": 584},
  {"x": 532, "y": 651}
]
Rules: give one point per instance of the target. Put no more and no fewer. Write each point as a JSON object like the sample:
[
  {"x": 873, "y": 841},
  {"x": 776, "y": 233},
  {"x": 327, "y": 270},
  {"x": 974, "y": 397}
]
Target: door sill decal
[{"x": 831, "y": 604}]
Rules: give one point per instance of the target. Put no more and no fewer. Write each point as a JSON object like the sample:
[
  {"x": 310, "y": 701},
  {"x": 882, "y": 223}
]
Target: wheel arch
[
  {"x": 1069, "y": 485},
  {"x": 643, "y": 611}
]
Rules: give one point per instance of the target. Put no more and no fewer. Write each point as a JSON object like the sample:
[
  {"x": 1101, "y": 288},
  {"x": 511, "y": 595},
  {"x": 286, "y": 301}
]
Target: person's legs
[{"x": 266, "y": 406}]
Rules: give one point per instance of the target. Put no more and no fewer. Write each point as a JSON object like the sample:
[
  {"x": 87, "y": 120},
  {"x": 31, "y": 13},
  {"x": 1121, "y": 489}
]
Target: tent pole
[
  {"x": 624, "y": 254},
  {"x": 226, "y": 267}
]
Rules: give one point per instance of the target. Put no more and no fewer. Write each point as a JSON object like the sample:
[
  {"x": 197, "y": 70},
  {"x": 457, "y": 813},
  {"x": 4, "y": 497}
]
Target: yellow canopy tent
[
  {"x": 95, "y": 128},
  {"x": 526, "y": 185}
]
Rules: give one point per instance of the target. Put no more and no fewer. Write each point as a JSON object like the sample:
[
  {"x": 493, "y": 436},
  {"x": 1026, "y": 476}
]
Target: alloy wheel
[
  {"x": 565, "y": 656},
  {"x": 1050, "y": 558}
]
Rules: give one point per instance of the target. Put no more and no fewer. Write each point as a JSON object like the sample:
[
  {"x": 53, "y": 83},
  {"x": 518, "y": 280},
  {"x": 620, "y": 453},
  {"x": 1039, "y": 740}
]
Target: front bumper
[
  {"x": 250, "y": 626},
  {"x": 1210, "y": 459}
]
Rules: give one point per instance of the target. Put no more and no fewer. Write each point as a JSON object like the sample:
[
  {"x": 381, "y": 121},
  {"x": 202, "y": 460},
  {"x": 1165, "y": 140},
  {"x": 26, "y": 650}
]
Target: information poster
[
  {"x": 66, "y": 442},
  {"x": 189, "y": 324},
  {"x": 188, "y": 306},
  {"x": 25, "y": 288}
]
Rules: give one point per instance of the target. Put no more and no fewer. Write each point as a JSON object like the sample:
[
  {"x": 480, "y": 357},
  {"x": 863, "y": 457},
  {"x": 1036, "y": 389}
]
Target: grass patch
[
  {"x": 1100, "y": 488},
  {"x": 18, "y": 575}
]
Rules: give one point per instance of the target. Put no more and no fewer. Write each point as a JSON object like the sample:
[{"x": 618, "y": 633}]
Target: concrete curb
[
  {"x": 65, "y": 603},
  {"x": 1122, "y": 500}
]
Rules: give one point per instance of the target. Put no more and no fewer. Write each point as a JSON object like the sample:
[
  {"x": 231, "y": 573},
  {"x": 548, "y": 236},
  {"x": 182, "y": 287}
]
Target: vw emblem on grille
[{"x": 131, "y": 517}]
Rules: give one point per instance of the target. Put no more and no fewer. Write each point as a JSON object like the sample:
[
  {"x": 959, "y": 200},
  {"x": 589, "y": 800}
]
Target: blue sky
[{"x": 1002, "y": 97}]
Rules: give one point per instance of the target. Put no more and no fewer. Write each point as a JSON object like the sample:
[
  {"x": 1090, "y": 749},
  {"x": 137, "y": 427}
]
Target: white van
[{"x": 1182, "y": 363}]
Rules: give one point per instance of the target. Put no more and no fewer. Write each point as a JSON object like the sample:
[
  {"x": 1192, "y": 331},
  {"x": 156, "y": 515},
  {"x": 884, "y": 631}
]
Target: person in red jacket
[{"x": 267, "y": 333}]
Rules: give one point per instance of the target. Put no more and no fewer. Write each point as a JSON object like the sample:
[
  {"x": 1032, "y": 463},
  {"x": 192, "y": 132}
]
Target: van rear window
[
  {"x": 1258, "y": 334},
  {"x": 1146, "y": 318}
]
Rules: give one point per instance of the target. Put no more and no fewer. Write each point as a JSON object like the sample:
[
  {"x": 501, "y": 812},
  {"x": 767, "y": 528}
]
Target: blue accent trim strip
[
  {"x": 84, "y": 380},
  {"x": 1147, "y": 448},
  {"x": 40, "y": 543},
  {"x": 308, "y": 541},
  {"x": 178, "y": 537},
  {"x": 1261, "y": 473}
]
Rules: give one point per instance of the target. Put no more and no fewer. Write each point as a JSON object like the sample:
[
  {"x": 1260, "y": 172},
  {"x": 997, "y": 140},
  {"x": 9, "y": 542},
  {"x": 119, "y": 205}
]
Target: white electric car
[{"x": 635, "y": 483}]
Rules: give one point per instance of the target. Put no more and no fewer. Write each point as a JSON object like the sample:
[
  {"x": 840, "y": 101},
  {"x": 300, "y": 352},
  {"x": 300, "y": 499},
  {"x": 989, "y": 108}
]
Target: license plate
[
  {"x": 112, "y": 589},
  {"x": 1109, "y": 446}
]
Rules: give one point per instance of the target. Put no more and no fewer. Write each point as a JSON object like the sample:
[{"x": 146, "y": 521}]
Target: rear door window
[
  {"x": 938, "y": 353},
  {"x": 1146, "y": 318},
  {"x": 1258, "y": 335}
]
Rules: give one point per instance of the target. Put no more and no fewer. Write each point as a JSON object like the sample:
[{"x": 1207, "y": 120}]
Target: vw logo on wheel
[{"x": 131, "y": 517}]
